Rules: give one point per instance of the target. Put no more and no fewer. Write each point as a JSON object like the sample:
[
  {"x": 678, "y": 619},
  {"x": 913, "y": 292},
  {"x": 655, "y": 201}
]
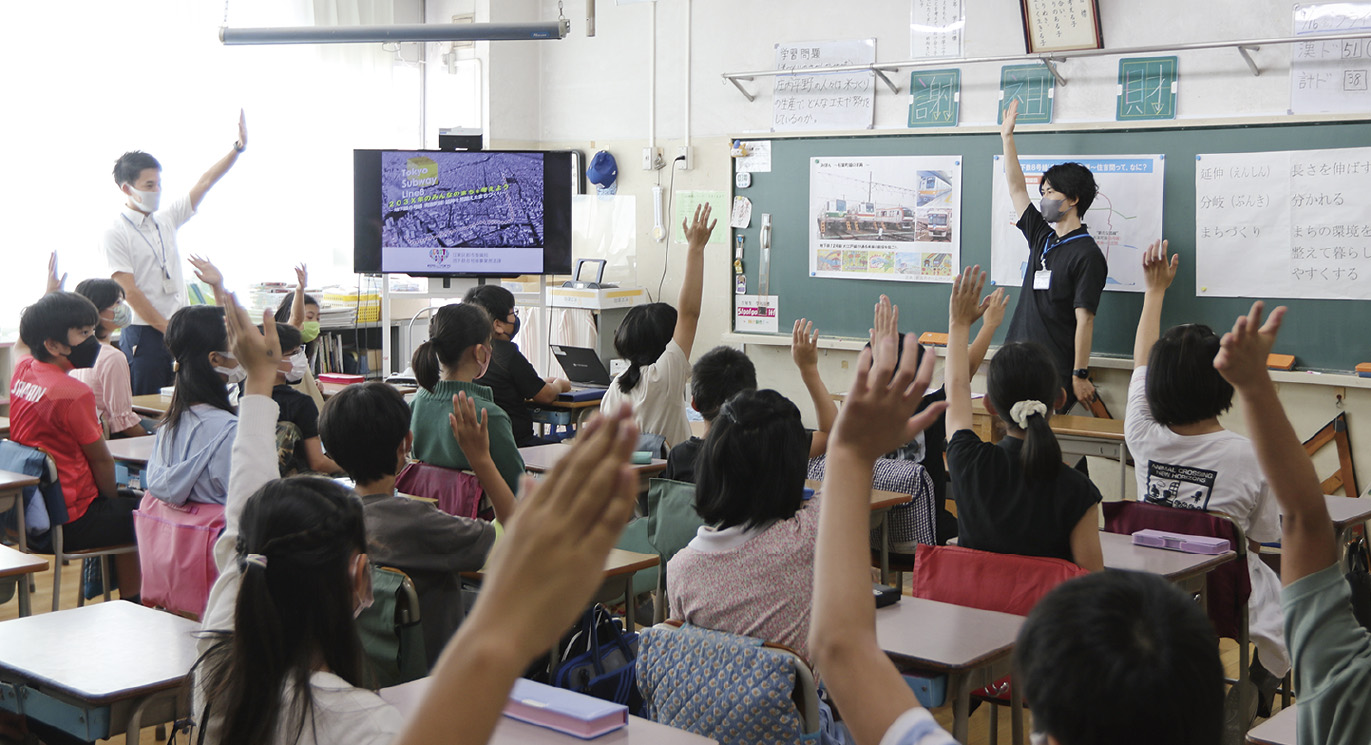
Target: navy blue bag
[{"x": 599, "y": 660}]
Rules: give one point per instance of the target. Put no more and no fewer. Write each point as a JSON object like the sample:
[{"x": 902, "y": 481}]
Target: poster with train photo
[{"x": 894, "y": 218}]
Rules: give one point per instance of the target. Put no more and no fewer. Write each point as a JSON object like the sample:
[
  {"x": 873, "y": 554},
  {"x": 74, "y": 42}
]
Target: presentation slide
[{"x": 462, "y": 212}]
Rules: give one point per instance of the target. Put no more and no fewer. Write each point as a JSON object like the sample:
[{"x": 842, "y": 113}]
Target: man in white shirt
[{"x": 143, "y": 257}]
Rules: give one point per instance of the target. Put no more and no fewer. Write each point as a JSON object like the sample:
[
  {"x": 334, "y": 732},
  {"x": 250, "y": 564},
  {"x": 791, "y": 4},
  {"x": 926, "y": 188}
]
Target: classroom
[{"x": 1237, "y": 131}]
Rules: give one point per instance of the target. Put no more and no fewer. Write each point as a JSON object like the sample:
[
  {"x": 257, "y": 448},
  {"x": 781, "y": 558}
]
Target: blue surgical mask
[{"x": 123, "y": 316}]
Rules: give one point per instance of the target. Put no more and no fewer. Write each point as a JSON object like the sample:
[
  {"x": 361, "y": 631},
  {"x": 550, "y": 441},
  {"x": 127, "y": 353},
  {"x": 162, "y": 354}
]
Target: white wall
[{"x": 594, "y": 93}]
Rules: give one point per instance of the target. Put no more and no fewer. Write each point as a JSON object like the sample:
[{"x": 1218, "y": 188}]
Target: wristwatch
[
  {"x": 1083, "y": 373},
  {"x": 238, "y": 146}
]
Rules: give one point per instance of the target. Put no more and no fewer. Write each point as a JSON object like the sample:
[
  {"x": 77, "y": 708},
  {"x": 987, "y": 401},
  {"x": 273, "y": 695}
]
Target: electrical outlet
[
  {"x": 688, "y": 153},
  {"x": 652, "y": 158}
]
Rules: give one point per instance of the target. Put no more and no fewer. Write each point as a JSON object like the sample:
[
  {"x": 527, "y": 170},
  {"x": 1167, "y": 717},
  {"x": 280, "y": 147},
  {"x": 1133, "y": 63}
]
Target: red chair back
[
  {"x": 456, "y": 492},
  {"x": 1228, "y": 586},
  {"x": 1007, "y": 583}
]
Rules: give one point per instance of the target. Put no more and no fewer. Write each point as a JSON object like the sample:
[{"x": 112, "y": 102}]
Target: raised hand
[
  {"x": 699, "y": 229},
  {"x": 258, "y": 352},
  {"x": 470, "y": 428},
  {"x": 993, "y": 308},
  {"x": 207, "y": 272},
  {"x": 301, "y": 276},
  {"x": 242, "y": 130},
  {"x": 54, "y": 284},
  {"x": 885, "y": 325},
  {"x": 1243, "y": 351},
  {"x": 877, "y": 415},
  {"x": 804, "y": 344},
  {"x": 965, "y": 305},
  {"x": 1011, "y": 117},
  {"x": 1158, "y": 271}
]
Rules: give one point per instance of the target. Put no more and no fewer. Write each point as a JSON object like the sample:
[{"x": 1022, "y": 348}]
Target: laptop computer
[{"x": 588, "y": 376}]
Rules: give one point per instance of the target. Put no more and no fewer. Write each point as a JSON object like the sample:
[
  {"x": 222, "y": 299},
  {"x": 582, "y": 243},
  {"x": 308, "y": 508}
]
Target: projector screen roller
[{"x": 436, "y": 213}]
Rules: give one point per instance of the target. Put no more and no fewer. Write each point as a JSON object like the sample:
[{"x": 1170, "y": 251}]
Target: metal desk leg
[
  {"x": 1016, "y": 714},
  {"x": 961, "y": 705},
  {"x": 24, "y": 582},
  {"x": 1123, "y": 471}
]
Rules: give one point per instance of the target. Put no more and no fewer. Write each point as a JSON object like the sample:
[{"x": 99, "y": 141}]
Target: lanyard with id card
[
  {"x": 1042, "y": 279},
  {"x": 168, "y": 284}
]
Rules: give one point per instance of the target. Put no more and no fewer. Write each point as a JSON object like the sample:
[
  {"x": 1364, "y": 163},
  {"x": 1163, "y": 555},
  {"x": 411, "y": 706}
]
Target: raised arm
[
  {"x": 297, "y": 304},
  {"x": 962, "y": 310},
  {"x": 1158, "y": 272},
  {"x": 54, "y": 283},
  {"x": 1013, "y": 173},
  {"x": 688, "y": 304},
  {"x": 992, "y": 315},
  {"x": 877, "y": 417},
  {"x": 472, "y": 431},
  {"x": 1307, "y": 540},
  {"x": 217, "y": 171},
  {"x": 542, "y": 574},
  {"x": 207, "y": 272},
  {"x": 804, "y": 351}
]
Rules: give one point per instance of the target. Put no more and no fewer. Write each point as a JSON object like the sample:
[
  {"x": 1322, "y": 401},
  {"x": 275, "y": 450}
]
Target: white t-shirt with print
[
  {"x": 659, "y": 404},
  {"x": 916, "y": 727},
  {"x": 1218, "y": 472}
]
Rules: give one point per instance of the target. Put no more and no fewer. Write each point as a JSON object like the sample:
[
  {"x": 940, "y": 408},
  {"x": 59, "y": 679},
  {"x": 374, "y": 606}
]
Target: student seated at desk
[
  {"x": 1186, "y": 459},
  {"x": 297, "y": 431},
  {"x": 366, "y": 428},
  {"x": 456, "y": 354},
  {"x": 1112, "y": 658},
  {"x": 716, "y": 377},
  {"x": 656, "y": 339},
  {"x": 190, "y": 459},
  {"x": 1330, "y": 649},
  {"x": 747, "y": 570},
  {"x": 511, "y": 379},
  {"x": 55, "y": 412},
  {"x": 1013, "y": 497},
  {"x": 109, "y": 378},
  {"x": 281, "y": 661}
]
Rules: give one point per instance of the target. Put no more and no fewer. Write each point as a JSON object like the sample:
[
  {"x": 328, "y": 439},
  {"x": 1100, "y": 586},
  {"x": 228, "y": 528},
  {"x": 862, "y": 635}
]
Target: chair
[
  {"x": 32, "y": 461},
  {"x": 671, "y": 523},
  {"x": 1008, "y": 583},
  {"x": 736, "y": 689},
  {"x": 912, "y": 523},
  {"x": 1227, "y": 588},
  {"x": 455, "y": 492},
  {"x": 391, "y": 630},
  {"x": 176, "y": 553}
]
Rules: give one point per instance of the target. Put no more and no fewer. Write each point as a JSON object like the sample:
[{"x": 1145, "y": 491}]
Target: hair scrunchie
[{"x": 1023, "y": 410}]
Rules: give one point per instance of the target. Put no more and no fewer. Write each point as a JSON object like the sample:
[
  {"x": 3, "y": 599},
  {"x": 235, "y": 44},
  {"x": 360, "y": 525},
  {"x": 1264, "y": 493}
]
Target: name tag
[
  {"x": 168, "y": 286},
  {"x": 1042, "y": 279}
]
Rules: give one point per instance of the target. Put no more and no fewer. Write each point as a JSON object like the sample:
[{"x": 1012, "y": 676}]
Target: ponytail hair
[
  {"x": 453, "y": 330},
  {"x": 192, "y": 333},
  {"x": 641, "y": 339},
  {"x": 293, "y": 613},
  {"x": 1023, "y": 385}
]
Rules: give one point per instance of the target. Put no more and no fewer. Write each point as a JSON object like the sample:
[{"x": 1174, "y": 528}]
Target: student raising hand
[
  {"x": 472, "y": 430},
  {"x": 259, "y": 353},
  {"x": 1243, "y": 351},
  {"x": 542, "y": 575}
]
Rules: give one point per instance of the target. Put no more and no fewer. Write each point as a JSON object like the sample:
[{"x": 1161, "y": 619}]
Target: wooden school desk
[
  {"x": 19, "y": 565},
  {"x": 541, "y": 458},
  {"x": 881, "y": 502},
  {"x": 329, "y": 390},
  {"x": 972, "y": 647},
  {"x": 620, "y": 564},
  {"x": 134, "y": 451},
  {"x": 406, "y": 696},
  {"x": 99, "y": 670},
  {"x": 1278, "y": 730},
  {"x": 152, "y": 405},
  {"x": 1186, "y": 570},
  {"x": 1097, "y": 438}
]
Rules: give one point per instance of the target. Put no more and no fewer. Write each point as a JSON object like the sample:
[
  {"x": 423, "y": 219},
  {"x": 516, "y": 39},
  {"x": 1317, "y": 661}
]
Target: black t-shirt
[
  {"x": 680, "y": 462},
  {"x": 998, "y": 511},
  {"x": 300, "y": 410},
  {"x": 512, "y": 382},
  {"x": 1078, "y": 271}
]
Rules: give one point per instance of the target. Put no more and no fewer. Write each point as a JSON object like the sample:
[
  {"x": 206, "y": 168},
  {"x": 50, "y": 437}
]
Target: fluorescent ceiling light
[{"x": 417, "y": 32}]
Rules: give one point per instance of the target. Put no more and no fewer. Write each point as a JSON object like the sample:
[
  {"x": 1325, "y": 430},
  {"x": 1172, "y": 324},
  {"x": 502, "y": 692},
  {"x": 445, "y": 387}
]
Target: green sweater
[{"x": 433, "y": 440}]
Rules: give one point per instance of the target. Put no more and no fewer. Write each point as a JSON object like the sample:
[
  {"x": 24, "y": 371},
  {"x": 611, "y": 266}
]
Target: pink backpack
[{"x": 176, "y": 553}]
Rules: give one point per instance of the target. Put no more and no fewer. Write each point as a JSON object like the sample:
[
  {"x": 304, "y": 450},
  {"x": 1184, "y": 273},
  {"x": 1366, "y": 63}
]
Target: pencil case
[{"x": 1190, "y": 544}]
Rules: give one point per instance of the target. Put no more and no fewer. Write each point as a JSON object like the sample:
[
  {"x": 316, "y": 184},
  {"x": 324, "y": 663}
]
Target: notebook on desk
[{"x": 588, "y": 376}]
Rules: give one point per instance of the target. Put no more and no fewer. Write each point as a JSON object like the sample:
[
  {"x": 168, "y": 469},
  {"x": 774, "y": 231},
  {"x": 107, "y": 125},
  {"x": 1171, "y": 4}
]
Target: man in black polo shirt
[{"x": 1066, "y": 270}]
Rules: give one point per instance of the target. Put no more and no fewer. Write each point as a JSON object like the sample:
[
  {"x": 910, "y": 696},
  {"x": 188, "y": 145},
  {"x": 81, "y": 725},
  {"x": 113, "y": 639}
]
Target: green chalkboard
[{"x": 1322, "y": 334}]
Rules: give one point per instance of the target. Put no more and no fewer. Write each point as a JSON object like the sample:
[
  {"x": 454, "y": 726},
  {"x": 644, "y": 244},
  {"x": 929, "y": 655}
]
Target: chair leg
[
  {"x": 56, "y": 584},
  {"x": 1287, "y": 685},
  {"x": 104, "y": 575},
  {"x": 994, "y": 712}
]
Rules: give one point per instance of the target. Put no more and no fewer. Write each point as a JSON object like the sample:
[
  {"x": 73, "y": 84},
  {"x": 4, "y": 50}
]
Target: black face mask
[
  {"x": 514, "y": 331},
  {"x": 83, "y": 355}
]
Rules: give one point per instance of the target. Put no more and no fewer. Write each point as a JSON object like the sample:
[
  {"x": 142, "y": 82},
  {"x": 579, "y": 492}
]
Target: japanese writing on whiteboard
[
  {"x": 814, "y": 101},
  {"x": 1330, "y": 75}
]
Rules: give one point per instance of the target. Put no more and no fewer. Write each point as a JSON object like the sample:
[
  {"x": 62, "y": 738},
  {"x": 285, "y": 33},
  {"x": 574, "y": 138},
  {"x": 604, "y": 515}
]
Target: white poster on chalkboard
[
  {"x": 892, "y": 218},
  {"x": 1125, "y": 217},
  {"x": 824, "y": 101},
  {"x": 1285, "y": 224},
  {"x": 1331, "y": 76}
]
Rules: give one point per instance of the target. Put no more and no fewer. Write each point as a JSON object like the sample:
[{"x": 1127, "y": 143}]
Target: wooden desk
[
  {"x": 99, "y": 670},
  {"x": 1278, "y": 730},
  {"x": 1186, "y": 570},
  {"x": 151, "y": 405},
  {"x": 406, "y": 696},
  {"x": 881, "y": 502},
  {"x": 329, "y": 390},
  {"x": 19, "y": 564},
  {"x": 541, "y": 458},
  {"x": 132, "y": 450},
  {"x": 972, "y": 647},
  {"x": 1097, "y": 438},
  {"x": 619, "y": 564}
]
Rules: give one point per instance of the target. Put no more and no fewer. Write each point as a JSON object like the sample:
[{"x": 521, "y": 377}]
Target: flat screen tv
[{"x": 434, "y": 213}]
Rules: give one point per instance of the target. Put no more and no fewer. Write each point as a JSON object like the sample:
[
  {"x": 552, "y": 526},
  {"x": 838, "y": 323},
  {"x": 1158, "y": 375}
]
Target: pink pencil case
[{"x": 1190, "y": 544}]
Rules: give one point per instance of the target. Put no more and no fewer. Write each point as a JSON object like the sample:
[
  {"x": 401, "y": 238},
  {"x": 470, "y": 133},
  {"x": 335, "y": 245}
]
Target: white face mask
[
  {"x": 122, "y": 316},
  {"x": 299, "y": 366},
  {"x": 235, "y": 374},
  {"x": 147, "y": 201}
]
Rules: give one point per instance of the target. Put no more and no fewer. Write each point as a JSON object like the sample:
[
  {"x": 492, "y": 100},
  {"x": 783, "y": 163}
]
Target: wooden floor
[{"x": 980, "y": 733}]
